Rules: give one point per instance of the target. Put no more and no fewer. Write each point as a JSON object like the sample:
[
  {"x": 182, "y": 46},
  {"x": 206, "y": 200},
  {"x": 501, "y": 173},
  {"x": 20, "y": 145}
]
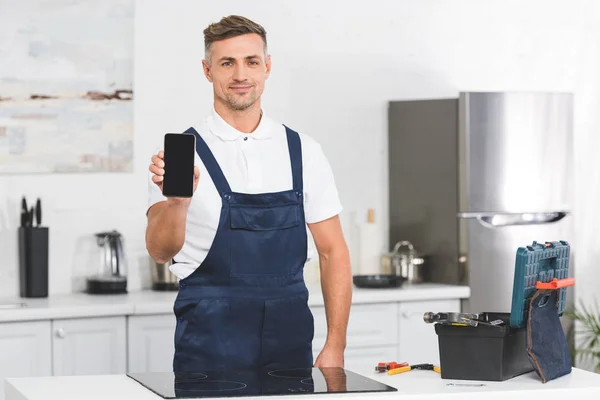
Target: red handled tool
[
  {"x": 555, "y": 283},
  {"x": 387, "y": 366}
]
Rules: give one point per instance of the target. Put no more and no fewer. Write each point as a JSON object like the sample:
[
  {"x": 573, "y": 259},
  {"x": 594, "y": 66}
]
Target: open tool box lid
[{"x": 539, "y": 266}]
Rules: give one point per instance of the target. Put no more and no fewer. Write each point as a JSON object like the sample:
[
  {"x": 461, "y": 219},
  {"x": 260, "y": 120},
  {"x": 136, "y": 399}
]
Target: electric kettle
[{"x": 112, "y": 276}]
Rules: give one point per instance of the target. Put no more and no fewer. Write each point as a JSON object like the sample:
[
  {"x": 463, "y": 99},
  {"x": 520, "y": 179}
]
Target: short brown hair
[{"x": 231, "y": 26}]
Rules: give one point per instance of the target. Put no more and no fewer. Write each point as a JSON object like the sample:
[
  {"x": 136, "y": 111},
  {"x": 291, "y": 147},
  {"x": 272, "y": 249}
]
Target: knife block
[{"x": 33, "y": 261}]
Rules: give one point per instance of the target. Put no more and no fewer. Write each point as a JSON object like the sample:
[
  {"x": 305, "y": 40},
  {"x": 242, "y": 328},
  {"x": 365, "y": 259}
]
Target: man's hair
[{"x": 228, "y": 27}]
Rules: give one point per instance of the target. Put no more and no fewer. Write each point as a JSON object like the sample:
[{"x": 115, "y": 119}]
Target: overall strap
[
  {"x": 213, "y": 168},
  {"x": 295, "y": 149}
]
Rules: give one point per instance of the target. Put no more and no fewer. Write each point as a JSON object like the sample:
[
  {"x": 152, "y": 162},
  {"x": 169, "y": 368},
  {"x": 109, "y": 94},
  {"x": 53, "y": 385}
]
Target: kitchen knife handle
[
  {"x": 38, "y": 212},
  {"x": 24, "y": 212}
]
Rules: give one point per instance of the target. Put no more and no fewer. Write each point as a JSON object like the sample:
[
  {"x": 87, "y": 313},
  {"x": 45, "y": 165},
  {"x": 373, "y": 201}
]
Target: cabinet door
[
  {"x": 25, "y": 350},
  {"x": 418, "y": 343},
  {"x": 361, "y": 359},
  {"x": 89, "y": 346},
  {"x": 150, "y": 343},
  {"x": 369, "y": 325}
]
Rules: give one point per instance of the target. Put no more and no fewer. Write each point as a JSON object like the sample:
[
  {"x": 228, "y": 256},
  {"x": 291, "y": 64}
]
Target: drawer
[{"x": 370, "y": 325}]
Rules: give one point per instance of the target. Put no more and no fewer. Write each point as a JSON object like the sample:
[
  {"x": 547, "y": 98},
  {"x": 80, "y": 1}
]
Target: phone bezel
[{"x": 178, "y": 135}]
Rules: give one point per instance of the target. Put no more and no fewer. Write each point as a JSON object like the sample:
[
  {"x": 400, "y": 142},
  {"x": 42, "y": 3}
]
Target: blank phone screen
[{"x": 180, "y": 150}]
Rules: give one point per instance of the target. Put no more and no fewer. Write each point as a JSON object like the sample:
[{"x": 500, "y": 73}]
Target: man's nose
[{"x": 239, "y": 73}]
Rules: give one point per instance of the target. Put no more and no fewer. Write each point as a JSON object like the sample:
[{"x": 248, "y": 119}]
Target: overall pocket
[
  {"x": 184, "y": 312},
  {"x": 180, "y": 326},
  {"x": 292, "y": 319},
  {"x": 203, "y": 335},
  {"x": 266, "y": 240},
  {"x": 264, "y": 218}
]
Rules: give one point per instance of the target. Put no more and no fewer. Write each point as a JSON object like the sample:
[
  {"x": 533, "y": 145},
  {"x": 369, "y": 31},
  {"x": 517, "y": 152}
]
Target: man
[{"x": 240, "y": 243}]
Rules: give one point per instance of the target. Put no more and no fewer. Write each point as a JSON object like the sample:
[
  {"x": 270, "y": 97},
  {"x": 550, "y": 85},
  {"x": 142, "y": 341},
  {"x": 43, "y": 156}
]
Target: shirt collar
[{"x": 222, "y": 129}]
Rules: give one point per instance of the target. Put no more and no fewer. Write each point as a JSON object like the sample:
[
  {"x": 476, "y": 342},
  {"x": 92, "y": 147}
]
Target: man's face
[{"x": 238, "y": 70}]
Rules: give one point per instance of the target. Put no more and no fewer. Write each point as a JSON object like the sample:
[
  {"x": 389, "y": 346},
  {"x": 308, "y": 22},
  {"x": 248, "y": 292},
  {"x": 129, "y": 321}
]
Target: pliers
[
  {"x": 386, "y": 366},
  {"x": 459, "y": 319},
  {"x": 452, "y": 318},
  {"x": 427, "y": 367}
]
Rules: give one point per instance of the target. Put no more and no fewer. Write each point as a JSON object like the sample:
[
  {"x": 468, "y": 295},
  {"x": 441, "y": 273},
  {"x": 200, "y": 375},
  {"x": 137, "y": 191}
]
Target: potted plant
[{"x": 586, "y": 326}]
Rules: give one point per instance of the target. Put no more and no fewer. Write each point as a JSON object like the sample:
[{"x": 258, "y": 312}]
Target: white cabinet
[
  {"x": 390, "y": 330},
  {"x": 369, "y": 325},
  {"x": 25, "y": 350},
  {"x": 89, "y": 346},
  {"x": 384, "y": 332},
  {"x": 372, "y": 335},
  {"x": 357, "y": 358},
  {"x": 150, "y": 343},
  {"x": 418, "y": 342}
]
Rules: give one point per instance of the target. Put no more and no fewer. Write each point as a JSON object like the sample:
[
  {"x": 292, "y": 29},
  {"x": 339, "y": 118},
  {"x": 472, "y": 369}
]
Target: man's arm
[
  {"x": 165, "y": 233},
  {"x": 336, "y": 284}
]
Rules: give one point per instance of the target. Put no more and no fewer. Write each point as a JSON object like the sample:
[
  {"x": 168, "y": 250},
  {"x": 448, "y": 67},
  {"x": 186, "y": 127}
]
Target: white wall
[{"x": 334, "y": 70}]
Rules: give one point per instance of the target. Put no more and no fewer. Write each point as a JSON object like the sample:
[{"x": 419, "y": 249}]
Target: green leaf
[{"x": 587, "y": 332}]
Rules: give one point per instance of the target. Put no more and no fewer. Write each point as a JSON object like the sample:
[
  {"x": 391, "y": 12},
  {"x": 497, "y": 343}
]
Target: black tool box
[
  {"x": 494, "y": 346},
  {"x": 485, "y": 352}
]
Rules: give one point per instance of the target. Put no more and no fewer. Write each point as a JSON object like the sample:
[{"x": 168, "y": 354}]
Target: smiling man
[{"x": 239, "y": 245}]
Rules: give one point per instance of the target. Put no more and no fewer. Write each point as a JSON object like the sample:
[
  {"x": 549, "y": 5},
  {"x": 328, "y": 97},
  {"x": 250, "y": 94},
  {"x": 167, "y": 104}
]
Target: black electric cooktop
[{"x": 171, "y": 385}]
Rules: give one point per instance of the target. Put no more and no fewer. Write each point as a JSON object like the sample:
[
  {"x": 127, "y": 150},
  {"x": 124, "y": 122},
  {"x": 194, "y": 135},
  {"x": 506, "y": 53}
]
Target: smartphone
[{"x": 180, "y": 152}]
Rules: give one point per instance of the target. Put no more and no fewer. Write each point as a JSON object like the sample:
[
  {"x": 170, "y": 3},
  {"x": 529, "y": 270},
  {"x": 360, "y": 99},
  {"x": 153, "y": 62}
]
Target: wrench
[{"x": 465, "y": 384}]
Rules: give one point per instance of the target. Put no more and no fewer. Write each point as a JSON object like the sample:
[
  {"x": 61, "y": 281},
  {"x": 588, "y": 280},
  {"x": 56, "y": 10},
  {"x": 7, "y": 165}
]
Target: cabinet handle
[{"x": 60, "y": 333}]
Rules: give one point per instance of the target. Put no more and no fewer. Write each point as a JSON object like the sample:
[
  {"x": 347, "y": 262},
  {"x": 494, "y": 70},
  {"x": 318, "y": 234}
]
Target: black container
[
  {"x": 484, "y": 352},
  {"x": 33, "y": 261}
]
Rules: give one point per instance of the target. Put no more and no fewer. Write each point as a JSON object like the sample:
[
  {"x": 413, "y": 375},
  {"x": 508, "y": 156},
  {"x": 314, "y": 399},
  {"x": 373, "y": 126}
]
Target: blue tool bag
[{"x": 547, "y": 346}]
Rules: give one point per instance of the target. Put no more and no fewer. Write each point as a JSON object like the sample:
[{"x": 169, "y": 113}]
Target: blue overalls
[{"x": 245, "y": 306}]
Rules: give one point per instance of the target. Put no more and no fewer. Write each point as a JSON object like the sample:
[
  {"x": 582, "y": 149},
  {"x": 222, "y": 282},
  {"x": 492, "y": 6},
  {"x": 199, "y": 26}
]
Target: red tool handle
[
  {"x": 387, "y": 366},
  {"x": 555, "y": 283}
]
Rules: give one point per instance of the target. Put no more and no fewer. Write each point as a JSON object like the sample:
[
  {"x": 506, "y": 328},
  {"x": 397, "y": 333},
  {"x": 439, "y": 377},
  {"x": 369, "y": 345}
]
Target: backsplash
[
  {"x": 73, "y": 251},
  {"x": 560, "y": 52}
]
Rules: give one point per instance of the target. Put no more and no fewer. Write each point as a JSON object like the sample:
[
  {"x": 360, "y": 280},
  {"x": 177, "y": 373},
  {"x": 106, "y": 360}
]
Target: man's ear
[
  {"x": 207, "y": 72},
  {"x": 268, "y": 65}
]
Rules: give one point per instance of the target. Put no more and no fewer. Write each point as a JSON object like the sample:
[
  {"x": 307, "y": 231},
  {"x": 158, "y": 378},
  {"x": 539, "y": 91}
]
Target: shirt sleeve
[{"x": 321, "y": 200}]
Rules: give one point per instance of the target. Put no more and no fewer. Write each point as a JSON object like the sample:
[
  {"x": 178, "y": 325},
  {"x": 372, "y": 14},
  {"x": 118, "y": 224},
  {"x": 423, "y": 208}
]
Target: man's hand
[
  {"x": 157, "y": 168},
  {"x": 330, "y": 357}
]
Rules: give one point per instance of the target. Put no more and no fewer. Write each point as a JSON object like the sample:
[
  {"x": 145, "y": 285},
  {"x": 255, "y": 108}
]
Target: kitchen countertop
[
  {"x": 148, "y": 302},
  {"x": 420, "y": 385}
]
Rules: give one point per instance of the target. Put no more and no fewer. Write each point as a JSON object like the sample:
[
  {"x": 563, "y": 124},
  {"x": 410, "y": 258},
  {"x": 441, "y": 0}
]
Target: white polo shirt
[{"x": 258, "y": 162}]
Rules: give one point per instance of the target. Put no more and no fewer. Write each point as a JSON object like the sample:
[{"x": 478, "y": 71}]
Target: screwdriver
[{"x": 428, "y": 367}]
